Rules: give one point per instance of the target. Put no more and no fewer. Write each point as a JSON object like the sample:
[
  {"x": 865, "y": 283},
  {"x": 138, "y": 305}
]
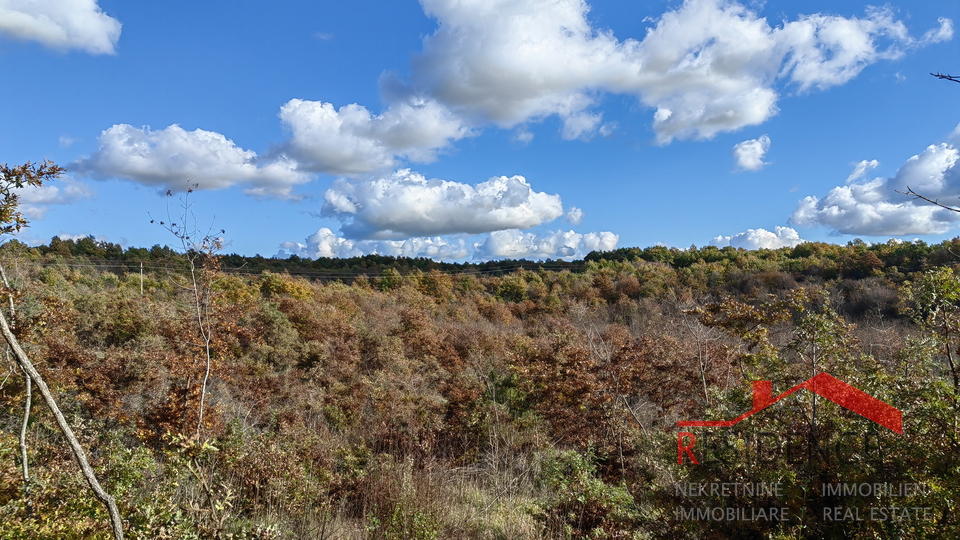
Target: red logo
[{"x": 824, "y": 385}]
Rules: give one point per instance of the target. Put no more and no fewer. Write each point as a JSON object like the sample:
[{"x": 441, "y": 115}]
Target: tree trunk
[
  {"x": 953, "y": 368},
  {"x": 24, "y": 464},
  {"x": 27, "y": 402},
  {"x": 78, "y": 452}
]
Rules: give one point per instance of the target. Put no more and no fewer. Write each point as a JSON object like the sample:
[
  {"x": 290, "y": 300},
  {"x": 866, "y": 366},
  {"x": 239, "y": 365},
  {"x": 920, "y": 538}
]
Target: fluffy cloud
[
  {"x": 351, "y": 140},
  {"x": 873, "y": 207},
  {"x": 35, "y": 201},
  {"x": 174, "y": 158},
  {"x": 707, "y": 67},
  {"x": 510, "y": 61},
  {"x": 325, "y": 243},
  {"x": 574, "y": 215},
  {"x": 61, "y": 24},
  {"x": 512, "y": 243},
  {"x": 407, "y": 204},
  {"x": 760, "y": 239},
  {"x": 939, "y": 35},
  {"x": 749, "y": 154},
  {"x": 75, "y": 237},
  {"x": 405, "y": 214},
  {"x": 861, "y": 169}
]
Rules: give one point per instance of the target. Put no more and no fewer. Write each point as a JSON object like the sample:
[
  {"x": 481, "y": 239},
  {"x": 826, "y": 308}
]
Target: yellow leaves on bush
[
  {"x": 272, "y": 285},
  {"x": 232, "y": 290}
]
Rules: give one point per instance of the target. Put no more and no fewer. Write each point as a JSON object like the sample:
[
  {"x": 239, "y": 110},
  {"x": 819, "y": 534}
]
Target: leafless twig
[
  {"x": 936, "y": 202},
  {"x": 946, "y": 77}
]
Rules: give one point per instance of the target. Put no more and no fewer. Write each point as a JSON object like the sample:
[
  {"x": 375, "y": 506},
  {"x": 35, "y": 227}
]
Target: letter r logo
[{"x": 683, "y": 449}]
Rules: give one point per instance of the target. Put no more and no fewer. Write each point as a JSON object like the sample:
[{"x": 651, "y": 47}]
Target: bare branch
[
  {"x": 201, "y": 251},
  {"x": 946, "y": 77},
  {"x": 11, "y": 221},
  {"x": 78, "y": 452},
  {"x": 936, "y": 202}
]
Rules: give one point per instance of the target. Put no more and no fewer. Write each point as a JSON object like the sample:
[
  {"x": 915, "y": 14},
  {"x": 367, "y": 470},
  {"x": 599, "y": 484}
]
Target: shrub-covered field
[{"x": 414, "y": 400}]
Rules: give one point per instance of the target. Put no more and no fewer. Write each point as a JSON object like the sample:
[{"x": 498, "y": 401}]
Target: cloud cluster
[
  {"x": 512, "y": 244},
  {"x": 706, "y": 67},
  {"x": 760, "y": 239},
  {"x": 872, "y": 207},
  {"x": 61, "y": 24},
  {"x": 35, "y": 201},
  {"x": 173, "y": 158},
  {"x": 326, "y": 243},
  {"x": 407, "y": 204},
  {"x": 749, "y": 154},
  {"x": 405, "y": 214}
]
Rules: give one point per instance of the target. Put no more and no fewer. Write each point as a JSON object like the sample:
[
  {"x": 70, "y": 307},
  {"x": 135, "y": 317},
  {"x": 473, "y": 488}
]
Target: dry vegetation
[{"x": 532, "y": 404}]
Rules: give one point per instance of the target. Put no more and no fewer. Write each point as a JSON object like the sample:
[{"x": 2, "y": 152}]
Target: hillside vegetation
[{"x": 381, "y": 398}]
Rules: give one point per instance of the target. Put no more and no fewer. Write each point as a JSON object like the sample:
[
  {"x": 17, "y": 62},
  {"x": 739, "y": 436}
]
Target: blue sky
[{"x": 476, "y": 129}]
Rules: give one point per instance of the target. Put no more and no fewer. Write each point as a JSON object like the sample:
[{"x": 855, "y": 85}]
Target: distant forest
[{"x": 857, "y": 259}]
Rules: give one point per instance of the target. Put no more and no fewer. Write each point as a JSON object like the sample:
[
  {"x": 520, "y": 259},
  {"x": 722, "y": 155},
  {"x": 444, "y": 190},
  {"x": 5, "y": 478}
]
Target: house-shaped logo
[{"x": 824, "y": 385}]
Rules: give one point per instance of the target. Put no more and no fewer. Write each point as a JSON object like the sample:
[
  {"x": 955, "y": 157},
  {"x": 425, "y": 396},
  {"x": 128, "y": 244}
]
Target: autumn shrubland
[{"x": 407, "y": 399}]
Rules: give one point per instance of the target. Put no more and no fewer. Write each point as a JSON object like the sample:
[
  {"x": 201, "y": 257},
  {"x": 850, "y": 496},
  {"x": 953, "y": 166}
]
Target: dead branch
[
  {"x": 936, "y": 202},
  {"x": 78, "y": 452},
  {"x": 946, "y": 77}
]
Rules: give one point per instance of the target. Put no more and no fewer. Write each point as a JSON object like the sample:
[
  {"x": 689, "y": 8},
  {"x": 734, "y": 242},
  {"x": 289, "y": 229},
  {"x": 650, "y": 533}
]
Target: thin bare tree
[
  {"x": 13, "y": 179},
  {"x": 201, "y": 251},
  {"x": 27, "y": 401}
]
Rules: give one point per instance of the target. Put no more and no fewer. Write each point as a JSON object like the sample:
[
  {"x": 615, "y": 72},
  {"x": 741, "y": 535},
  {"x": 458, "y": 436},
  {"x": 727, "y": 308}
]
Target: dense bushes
[{"x": 425, "y": 404}]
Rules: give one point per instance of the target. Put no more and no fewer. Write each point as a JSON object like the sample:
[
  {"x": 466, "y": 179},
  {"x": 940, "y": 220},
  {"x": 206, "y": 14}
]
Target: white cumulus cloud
[
  {"x": 173, "y": 158},
  {"x": 407, "y": 204},
  {"x": 515, "y": 244},
  {"x": 61, "y": 24},
  {"x": 749, "y": 154},
  {"x": 860, "y": 170},
  {"x": 873, "y": 207},
  {"x": 574, "y": 215},
  {"x": 326, "y": 243},
  {"x": 941, "y": 34},
  {"x": 406, "y": 214},
  {"x": 511, "y": 243},
  {"x": 35, "y": 201},
  {"x": 706, "y": 67},
  {"x": 760, "y": 239},
  {"x": 352, "y": 140}
]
